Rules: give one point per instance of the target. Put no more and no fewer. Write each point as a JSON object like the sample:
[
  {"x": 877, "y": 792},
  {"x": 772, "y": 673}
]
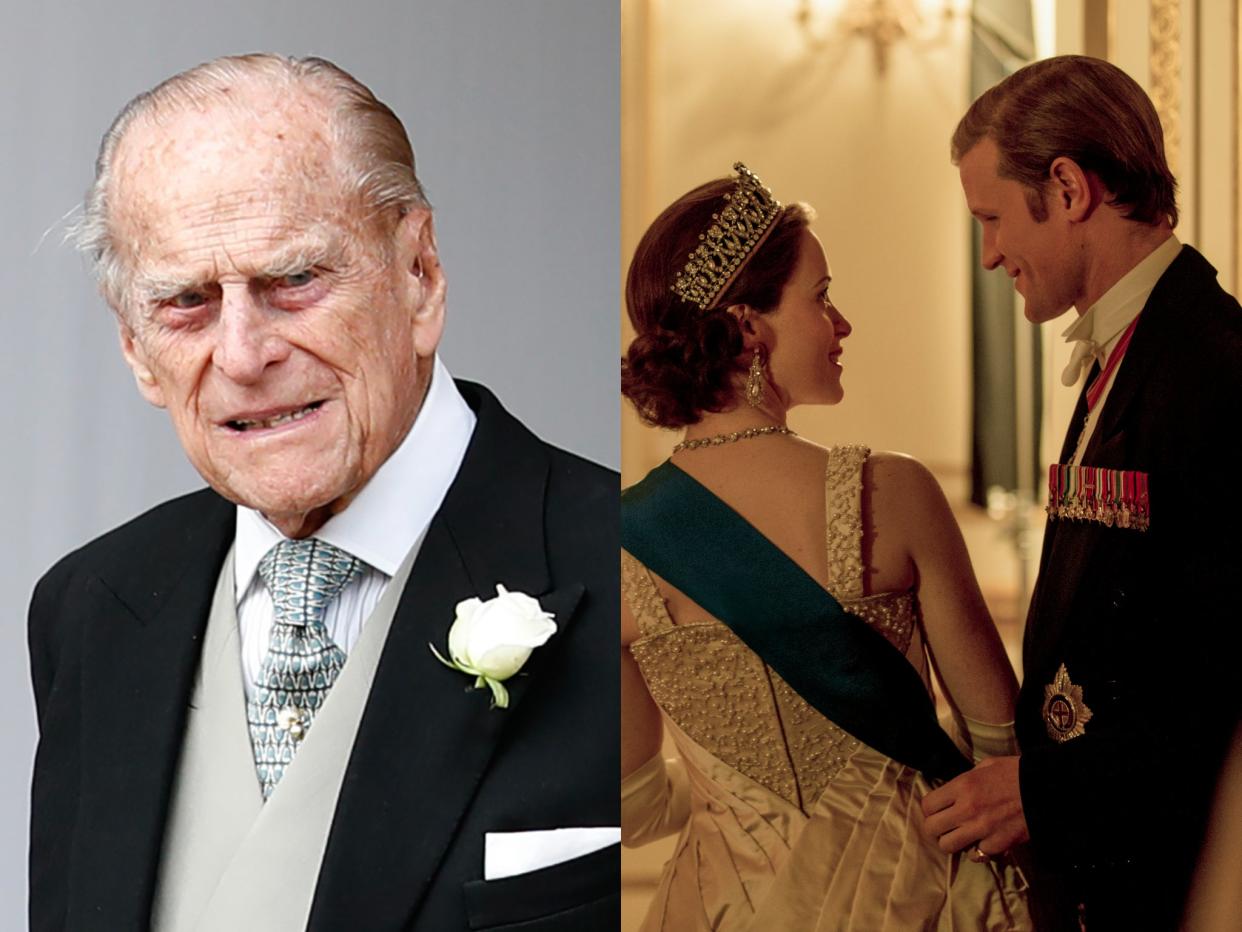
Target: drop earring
[{"x": 754, "y": 381}]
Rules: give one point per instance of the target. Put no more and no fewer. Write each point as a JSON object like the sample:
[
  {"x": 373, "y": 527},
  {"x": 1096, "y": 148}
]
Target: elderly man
[
  {"x": 1131, "y": 641},
  {"x": 252, "y": 713}
]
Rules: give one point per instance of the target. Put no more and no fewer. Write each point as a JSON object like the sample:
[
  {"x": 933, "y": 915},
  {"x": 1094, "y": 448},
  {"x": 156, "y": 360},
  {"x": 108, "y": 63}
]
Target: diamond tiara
[{"x": 736, "y": 232}]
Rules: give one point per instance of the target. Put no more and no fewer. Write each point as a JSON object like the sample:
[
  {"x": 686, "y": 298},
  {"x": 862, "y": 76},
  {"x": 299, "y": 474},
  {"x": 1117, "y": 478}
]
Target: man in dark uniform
[{"x": 1126, "y": 707}]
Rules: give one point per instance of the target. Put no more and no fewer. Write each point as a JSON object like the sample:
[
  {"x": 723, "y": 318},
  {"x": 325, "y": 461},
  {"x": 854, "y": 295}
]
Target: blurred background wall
[
  {"x": 513, "y": 111},
  {"x": 830, "y": 103},
  {"x": 738, "y": 79}
]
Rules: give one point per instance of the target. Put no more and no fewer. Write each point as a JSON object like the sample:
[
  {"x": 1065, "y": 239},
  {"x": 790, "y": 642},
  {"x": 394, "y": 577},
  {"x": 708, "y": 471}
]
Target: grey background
[{"x": 513, "y": 109}]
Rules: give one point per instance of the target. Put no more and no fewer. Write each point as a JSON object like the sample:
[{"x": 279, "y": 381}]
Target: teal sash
[{"x": 834, "y": 660}]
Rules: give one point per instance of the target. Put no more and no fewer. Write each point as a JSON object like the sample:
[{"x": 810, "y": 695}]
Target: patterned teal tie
[{"x": 302, "y": 663}]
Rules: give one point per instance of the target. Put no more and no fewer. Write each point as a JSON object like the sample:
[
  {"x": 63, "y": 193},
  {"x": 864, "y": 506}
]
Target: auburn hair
[{"x": 683, "y": 360}]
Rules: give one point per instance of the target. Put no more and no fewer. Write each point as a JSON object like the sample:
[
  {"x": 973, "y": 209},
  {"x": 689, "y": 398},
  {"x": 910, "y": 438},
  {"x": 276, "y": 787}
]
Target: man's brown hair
[{"x": 1084, "y": 109}]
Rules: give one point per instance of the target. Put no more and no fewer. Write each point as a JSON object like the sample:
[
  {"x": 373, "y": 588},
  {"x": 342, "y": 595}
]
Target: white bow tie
[{"x": 1085, "y": 352}]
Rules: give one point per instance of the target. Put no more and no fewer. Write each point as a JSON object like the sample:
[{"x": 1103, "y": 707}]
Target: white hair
[{"x": 377, "y": 153}]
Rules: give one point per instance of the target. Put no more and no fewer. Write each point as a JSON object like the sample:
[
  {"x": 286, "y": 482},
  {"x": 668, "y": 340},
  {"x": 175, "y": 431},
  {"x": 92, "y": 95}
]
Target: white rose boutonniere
[{"x": 492, "y": 639}]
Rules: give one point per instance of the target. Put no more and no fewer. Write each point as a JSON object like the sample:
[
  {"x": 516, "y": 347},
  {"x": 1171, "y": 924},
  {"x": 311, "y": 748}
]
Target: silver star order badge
[{"x": 1065, "y": 712}]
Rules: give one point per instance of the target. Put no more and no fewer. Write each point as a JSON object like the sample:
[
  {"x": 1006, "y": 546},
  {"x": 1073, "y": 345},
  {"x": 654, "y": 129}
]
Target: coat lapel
[
  {"x": 426, "y": 738},
  {"x": 1078, "y": 418},
  {"x": 1158, "y": 318},
  {"x": 148, "y": 612},
  {"x": 1044, "y": 587},
  {"x": 1067, "y": 545}
]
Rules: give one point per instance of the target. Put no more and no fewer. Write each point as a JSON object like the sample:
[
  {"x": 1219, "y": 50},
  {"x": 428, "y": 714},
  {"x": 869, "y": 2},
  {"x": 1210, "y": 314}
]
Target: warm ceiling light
[{"x": 884, "y": 22}]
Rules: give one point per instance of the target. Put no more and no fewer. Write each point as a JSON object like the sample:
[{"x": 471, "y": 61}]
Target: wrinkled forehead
[{"x": 262, "y": 152}]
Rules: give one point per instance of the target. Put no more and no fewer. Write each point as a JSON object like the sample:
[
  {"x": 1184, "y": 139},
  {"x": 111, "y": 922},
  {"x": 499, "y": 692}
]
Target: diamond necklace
[{"x": 733, "y": 437}]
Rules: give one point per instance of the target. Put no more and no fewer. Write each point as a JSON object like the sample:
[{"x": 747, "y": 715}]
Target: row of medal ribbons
[{"x": 1112, "y": 497}]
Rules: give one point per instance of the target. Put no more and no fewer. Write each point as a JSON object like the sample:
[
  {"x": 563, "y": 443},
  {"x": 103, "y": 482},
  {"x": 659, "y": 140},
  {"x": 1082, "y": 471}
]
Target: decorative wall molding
[{"x": 1166, "y": 67}]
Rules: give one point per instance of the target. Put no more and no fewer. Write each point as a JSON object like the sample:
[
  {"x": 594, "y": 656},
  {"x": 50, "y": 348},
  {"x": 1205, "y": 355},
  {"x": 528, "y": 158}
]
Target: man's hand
[{"x": 983, "y": 806}]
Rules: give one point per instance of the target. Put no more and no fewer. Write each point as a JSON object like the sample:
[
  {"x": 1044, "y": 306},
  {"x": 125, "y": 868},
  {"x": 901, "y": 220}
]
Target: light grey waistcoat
[{"x": 229, "y": 861}]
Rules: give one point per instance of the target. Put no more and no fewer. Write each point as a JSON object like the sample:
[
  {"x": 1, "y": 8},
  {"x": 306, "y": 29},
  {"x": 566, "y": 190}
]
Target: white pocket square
[{"x": 508, "y": 853}]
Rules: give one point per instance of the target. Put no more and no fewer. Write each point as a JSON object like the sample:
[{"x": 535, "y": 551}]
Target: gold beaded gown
[{"x": 794, "y": 824}]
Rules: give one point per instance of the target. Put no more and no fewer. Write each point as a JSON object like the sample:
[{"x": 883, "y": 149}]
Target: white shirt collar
[
  {"x": 393, "y": 510},
  {"x": 1121, "y": 304},
  {"x": 1105, "y": 320}
]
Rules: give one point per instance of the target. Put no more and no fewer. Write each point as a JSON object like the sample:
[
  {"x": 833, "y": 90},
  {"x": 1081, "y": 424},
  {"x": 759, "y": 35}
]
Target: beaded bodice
[{"x": 725, "y": 698}]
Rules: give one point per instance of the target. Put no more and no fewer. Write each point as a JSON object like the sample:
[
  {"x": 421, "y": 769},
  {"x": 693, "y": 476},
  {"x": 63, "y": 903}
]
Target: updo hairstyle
[{"x": 682, "y": 362}]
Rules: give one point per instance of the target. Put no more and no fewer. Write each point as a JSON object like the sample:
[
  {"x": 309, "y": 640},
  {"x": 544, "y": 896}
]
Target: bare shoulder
[
  {"x": 806, "y": 452},
  {"x": 904, "y": 493},
  {"x": 900, "y": 476}
]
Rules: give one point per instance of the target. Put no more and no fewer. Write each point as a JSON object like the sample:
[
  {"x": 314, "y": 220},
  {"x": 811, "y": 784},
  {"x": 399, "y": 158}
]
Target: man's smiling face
[
  {"x": 1036, "y": 254},
  {"x": 287, "y": 329}
]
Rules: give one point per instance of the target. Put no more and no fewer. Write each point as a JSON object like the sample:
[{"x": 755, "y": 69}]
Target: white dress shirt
[
  {"x": 1099, "y": 330},
  {"x": 380, "y": 526}
]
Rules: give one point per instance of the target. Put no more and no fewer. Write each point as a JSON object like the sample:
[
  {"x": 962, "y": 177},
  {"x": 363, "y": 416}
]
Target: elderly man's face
[{"x": 287, "y": 331}]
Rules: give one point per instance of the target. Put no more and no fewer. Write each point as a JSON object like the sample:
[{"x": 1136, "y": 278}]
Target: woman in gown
[{"x": 782, "y": 605}]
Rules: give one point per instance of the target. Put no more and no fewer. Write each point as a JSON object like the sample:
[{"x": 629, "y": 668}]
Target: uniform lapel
[
  {"x": 148, "y": 612},
  {"x": 1158, "y": 317},
  {"x": 1067, "y": 544},
  {"x": 1044, "y": 585},
  {"x": 426, "y": 738},
  {"x": 1077, "y": 418}
]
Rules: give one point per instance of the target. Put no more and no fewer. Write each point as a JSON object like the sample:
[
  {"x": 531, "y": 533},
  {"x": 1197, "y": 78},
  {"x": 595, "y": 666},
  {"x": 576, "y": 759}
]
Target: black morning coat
[
  {"x": 115, "y": 629},
  {"x": 1146, "y": 623}
]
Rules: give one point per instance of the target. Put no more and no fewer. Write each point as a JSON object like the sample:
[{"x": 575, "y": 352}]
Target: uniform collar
[{"x": 1094, "y": 332}]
